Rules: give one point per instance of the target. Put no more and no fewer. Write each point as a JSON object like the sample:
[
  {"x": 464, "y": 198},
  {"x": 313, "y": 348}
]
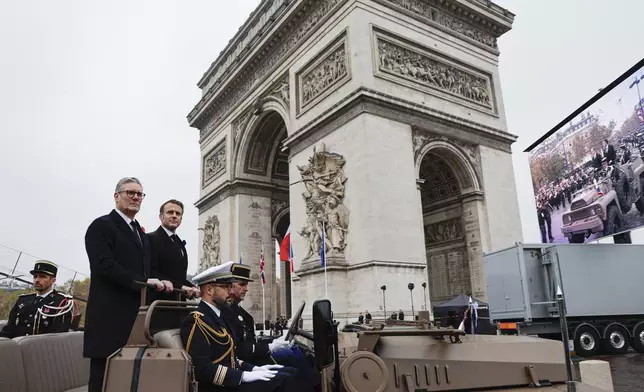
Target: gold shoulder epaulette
[{"x": 197, "y": 313}]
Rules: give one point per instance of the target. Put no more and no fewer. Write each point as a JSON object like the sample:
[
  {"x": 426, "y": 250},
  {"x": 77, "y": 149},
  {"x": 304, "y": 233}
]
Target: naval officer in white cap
[{"x": 208, "y": 341}]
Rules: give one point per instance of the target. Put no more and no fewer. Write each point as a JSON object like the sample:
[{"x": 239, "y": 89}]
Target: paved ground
[{"x": 627, "y": 371}]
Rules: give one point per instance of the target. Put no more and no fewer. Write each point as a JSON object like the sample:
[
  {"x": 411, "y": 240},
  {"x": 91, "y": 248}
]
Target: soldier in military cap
[
  {"x": 208, "y": 340},
  {"x": 45, "y": 311},
  {"x": 261, "y": 352}
]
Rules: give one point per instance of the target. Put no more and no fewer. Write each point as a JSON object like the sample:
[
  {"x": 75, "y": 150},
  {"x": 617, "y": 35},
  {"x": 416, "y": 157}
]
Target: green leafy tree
[
  {"x": 553, "y": 167},
  {"x": 579, "y": 150},
  {"x": 600, "y": 132},
  {"x": 8, "y": 299}
]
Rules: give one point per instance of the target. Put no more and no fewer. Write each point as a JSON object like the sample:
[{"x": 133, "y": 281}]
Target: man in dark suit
[
  {"x": 609, "y": 152},
  {"x": 208, "y": 340},
  {"x": 45, "y": 311},
  {"x": 119, "y": 255},
  {"x": 170, "y": 259}
]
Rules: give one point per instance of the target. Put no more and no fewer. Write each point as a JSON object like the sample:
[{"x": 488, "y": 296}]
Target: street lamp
[
  {"x": 425, "y": 294},
  {"x": 384, "y": 304},
  {"x": 411, "y": 294}
]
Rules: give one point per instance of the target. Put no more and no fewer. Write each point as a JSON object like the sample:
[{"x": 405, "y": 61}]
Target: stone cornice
[
  {"x": 261, "y": 20},
  {"x": 253, "y": 54},
  {"x": 479, "y": 22},
  {"x": 221, "y": 98},
  {"x": 314, "y": 268},
  {"x": 238, "y": 187},
  {"x": 364, "y": 100}
]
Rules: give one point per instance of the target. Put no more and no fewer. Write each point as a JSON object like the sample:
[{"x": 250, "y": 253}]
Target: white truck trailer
[{"x": 601, "y": 285}]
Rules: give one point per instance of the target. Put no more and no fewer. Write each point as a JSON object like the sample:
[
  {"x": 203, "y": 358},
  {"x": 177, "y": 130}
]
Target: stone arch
[
  {"x": 451, "y": 199},
  {"x": 278, "y": 230},
  {"x": 456, "y": 159},
  {"x": 253, "y": 156}
]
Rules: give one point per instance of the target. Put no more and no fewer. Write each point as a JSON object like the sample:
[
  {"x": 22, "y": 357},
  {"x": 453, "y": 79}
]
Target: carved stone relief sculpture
[
  {"x": 280, "y": 91},
  {"x": 293, "y": 34},
  {"x": 445, "y": 231},
  {"x": 326, "y": 72},
  {"x": 324, "y": 180},
  {"x": 420, "y": 8},
  {"x": 210, "y": 245},
  {"x": 278, "y": 206},
  {"x": 214, "y": 163},
  {"x": 421, "y": 139},
  {"x": 433, "y": 72}
]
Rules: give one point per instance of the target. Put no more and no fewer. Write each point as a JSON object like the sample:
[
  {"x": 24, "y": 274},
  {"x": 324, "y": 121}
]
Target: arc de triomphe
[{"x": 382, "y": 119}]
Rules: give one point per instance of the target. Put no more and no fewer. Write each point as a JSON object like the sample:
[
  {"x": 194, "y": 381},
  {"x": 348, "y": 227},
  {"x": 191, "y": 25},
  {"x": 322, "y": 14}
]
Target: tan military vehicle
[{"x": 409, "y": 357}]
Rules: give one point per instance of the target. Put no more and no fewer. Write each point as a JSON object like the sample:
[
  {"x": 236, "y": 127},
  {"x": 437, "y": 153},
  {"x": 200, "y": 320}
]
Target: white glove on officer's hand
[
  {"x": 266, "y": 367},
  {"x": 277, "y": 344},
  {"x": 258, "y": 375}
]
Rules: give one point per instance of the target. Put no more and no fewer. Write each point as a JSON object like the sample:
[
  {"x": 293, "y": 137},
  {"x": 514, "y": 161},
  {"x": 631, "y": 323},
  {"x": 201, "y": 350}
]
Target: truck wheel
[
  {"x": 638, "y": 338},
  {"x": 586, "y": 342},
  {"x": 577, "y": 239},
  {"x": 617, "y": 340},
  {"x": 639, "y": 204},
  {"x": 613, "y": 222}
]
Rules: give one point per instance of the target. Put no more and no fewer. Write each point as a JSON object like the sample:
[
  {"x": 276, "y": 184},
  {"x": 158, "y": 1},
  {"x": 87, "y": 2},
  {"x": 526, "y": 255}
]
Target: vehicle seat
[
  {"x": 12, "y": 375},
  {"x": 54, "y": 362},
  {"x": 169, "y": 338}
]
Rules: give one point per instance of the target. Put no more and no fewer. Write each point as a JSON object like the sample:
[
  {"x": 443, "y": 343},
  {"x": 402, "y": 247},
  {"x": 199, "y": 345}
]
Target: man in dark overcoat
[
  {"x": 119, "y": 255},
  {"x": 170, "y": 259}
]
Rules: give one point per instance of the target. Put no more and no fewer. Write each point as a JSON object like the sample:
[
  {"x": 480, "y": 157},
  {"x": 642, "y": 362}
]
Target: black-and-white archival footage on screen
[{"x": 588, "y": 175}]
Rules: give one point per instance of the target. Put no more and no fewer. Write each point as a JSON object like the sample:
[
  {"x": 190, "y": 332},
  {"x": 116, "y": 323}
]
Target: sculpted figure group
[{"x": 324, "y": 180}]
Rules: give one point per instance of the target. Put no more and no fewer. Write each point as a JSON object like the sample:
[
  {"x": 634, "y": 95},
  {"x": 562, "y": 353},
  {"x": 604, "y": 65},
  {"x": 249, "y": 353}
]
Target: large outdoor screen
[{"x": 587, "y": 172}]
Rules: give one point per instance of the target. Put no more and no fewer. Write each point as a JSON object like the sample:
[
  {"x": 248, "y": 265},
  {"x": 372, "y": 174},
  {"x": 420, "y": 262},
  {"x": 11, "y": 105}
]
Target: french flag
[{"x": 286, "y": 249}]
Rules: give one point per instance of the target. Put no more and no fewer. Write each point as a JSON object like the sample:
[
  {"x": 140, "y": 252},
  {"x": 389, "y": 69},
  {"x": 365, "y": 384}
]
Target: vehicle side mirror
[{"x": 324, "y": 338}]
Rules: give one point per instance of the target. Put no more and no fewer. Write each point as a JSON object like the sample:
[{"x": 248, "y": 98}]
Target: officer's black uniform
[
  {"x": 209, "y": 343},
  {"x": 257, "y": 352},
  {"x": 33, "y": 315}
]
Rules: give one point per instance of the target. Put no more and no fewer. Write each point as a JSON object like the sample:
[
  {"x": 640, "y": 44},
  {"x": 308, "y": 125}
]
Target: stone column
[
  {"x": 473, "y": 210},
  {"x": 253, "y": 217}
]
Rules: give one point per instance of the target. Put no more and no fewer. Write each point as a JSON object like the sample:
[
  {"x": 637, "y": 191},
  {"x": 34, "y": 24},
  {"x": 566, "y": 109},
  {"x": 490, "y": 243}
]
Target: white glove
[
  {"x": 266, "y": 367},
  {"x": 259, "y": 375},
  {"x": 277, "y": 344}
]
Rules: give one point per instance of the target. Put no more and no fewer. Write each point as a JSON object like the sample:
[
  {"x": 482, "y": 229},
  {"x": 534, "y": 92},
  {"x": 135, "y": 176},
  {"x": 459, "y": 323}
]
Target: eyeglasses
[{"x": 131, "y": 194}]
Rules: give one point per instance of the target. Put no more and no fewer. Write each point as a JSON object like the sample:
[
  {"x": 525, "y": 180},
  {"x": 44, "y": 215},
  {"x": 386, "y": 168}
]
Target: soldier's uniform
[
  {"x": 209, "y": 342},
  {"x": 256, "y": 351},
  {"x": 242, "y": 326},
  {"x": 34, "y": 314}
]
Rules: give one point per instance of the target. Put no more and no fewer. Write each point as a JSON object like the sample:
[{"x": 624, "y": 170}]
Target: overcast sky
[{"x": 94, "y": 91}]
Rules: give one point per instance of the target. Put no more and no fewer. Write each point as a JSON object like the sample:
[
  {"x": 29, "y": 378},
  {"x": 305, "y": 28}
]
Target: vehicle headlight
[{"x": 567, "y": 219}]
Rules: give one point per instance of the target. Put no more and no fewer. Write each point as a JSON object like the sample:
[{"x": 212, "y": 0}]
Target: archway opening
[
  {"x": 265, "y": 164},
  {"x": 445, "y": 246}
]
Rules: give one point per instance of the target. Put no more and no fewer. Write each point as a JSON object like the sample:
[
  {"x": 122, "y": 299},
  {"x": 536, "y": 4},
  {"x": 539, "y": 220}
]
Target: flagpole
[
  {"x": 326, "y": 282},
  {"x": 263, "y": 306},
  {"x": 263, "y": 288}
]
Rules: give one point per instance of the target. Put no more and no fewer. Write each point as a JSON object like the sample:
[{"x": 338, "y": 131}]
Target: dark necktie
[
  {"x": 177, "y": 241},
  {"x": 135, "y": 226}
]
